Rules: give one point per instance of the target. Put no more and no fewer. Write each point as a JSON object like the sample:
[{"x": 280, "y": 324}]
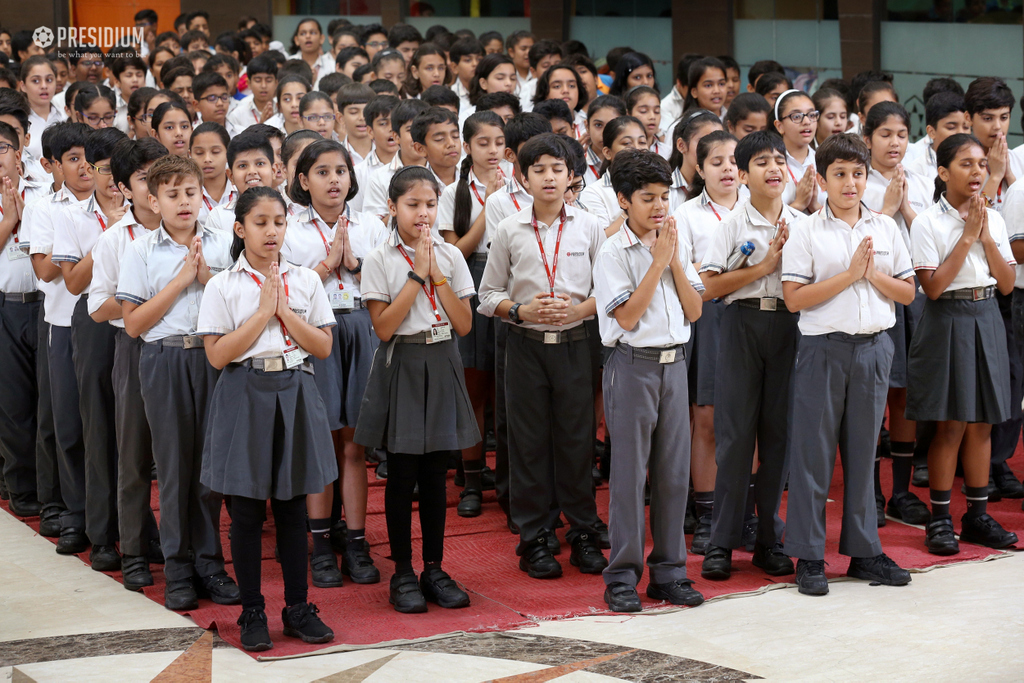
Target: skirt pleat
[
  {"x": 704, "y": 334},
  {"x": 477, "y": 348},
  {"x": 355, "y": 347}
]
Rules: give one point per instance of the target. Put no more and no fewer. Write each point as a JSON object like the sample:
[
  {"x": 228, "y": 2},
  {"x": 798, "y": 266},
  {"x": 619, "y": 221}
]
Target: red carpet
[{"x": 479, "y": 553}]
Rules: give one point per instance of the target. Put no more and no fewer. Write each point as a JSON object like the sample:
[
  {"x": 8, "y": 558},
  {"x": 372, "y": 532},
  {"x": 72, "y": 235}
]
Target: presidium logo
[{"x": 74, "y": 37}]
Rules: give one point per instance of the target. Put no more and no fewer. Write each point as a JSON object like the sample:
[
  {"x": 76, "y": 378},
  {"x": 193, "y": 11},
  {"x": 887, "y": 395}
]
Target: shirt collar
[
  {"x": 310, "y": 215},
  {"x": 606, "y": 179},
  {"x": 592, "y": 159},
  {"x": 394, "y": 239},
  {"x": 754, "y": 216},
  {"x": 866, "y": 214},
  {"x": 165, "y": 236},
  {"x": 242, "y": 264},
  {"x": 945, "y": 206},
  {"x": 678, "y": 181},
  {"x": 628, "y": 236}
]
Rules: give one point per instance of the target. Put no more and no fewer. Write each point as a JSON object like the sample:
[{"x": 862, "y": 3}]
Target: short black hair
[
  {"x": 295, "y": 66},
  {"x": 371, "y": 30},
  {"x": 436, "y": 31},
  {"x": 14, "y": 103},
  {"x": 634, "y": 169},
  {"x": 247, "y": 141},
  {"x": 354, "y": 93},
  {"x": 496, "y": 100},
  {"x": 210, "y": 127},
  {"x": 331, "y": 83},
  {"x": 190, "y": 36},
  {"x": 147, "y": 15},
  {"x": 545, "y": 144},
  {"x": 195, "y": 15},
  {"x": 465, "y": 47},
  {"x": 181, "y": 20},
  {"x": 683, "y": 67},
  {"x": 988, "y": 93},
  {"x": 360, "y": 73},
  {"x": 206, "y": 80},
  {"x": 382, "y": 86},
  {"x": 380, "y": 106},
  {"x": 403, "y": 33},
  {"x": 291, "y": 143},
  {"x": 542, "y": 49},
  {"x": 347, "y": 54},
  {"x": 942, "y": 84},
  {"x": 755, "y": 143},
  {"x": 67, "y": 135},
  {"x": 168, "y": 76},
  {"x": 555, "y": 109},
  {"x": 431, "y": 117},
  {"x": 523, "y": 127},
  {"x": 941, "y": 105},
  {"x": 406, "y": 111},
  {"x": 8, "y": 132},
  {"x": 488, "y": 36},
  {"x": 100, "y": 143},
  {"x": 575, "y": 47},
  {"x": 841, "y": 147},
  {"x": 440, "y": 95},
  {"x": 124, "y": 63},
  {"x": 220, "y": 60},
  {"x": 763, "y": 67},
  {"x": 20, "y": 42},
  {"x": 263, "y": 64},
  {"x": 745, "y": 104},
  {"x": 128, "y": 156},
  {"x": 308, "y": 157}
]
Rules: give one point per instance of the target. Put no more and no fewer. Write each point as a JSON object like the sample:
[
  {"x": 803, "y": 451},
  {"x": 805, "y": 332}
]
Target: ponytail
[{"x": 461, "y": 220}]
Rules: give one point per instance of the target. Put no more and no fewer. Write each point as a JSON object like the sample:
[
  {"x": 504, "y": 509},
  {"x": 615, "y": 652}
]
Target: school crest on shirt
[
  {"x": 575, "y": 253},
  {"x": 299, "y": 311}
]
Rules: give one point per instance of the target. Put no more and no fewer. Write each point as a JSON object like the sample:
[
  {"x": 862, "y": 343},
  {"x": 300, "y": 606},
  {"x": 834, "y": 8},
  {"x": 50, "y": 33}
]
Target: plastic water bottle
[{"x": 739, "y": 258}]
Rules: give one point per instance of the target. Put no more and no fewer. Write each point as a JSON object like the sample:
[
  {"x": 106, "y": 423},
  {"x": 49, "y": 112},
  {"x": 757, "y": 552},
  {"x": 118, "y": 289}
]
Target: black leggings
[
  {"x": 404, "y": 471},
  {"x": 247, "y": 517}
]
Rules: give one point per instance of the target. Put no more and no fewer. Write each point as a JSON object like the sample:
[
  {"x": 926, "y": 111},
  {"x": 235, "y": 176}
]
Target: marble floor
[{"x": 60, "y": 621}]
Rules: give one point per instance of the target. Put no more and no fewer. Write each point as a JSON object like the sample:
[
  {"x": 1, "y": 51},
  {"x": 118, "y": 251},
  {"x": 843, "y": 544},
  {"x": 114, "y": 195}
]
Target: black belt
[
  {"x": 418, "y": 338},
  {"x": 274, "y": 364},
  {"x": 765, "y": 303},
  {"x": 577, "y": 333},
  {"x": 972, "y": 294},
  {"x": 663, "y": 355},
  {"x": 357, "y": 304},
  {"x": 181, "y": 341},
  {"x": 855, "y": 338},
  {"x": 21, "y": 297}
]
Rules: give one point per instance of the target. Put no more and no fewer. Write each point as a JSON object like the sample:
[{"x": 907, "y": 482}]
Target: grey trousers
[
  {"x": 755, "y": 361},
  {"x": 177, "y": 385},
  {"x": 500, "y": 417},
  {"x": 136, "y": 522},
  {"x": 550, "y": 403},
  {"x": 647, "y": 409},
  {"x": 19, "y": 395},
  {"x": 47, "y": 467},
  {"x": 67, "y": 425},
  {"x": 1005, "y": 435},
  {"x": 93, "y": 347},
  {"x": 840, "y": 384}
]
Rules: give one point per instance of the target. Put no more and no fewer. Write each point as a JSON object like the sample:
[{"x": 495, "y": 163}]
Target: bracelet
[
  {"x": 443, "y": 282},
  {"x": 358, "y": 268},
  {"x": 416, "y": 278},
  {"x": 326, "y": 267}
]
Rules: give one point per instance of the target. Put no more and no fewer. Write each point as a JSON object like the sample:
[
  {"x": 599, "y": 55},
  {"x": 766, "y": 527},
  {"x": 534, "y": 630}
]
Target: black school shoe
[
  {"x": 470, "y": 503},
  {"x": 621, "y": 597},
  {"x": 135, "y": 572},
  {"x": 985, "y": 530},
  {"x": 104, "y": 558},
  {"x": 30, "y": 507},
  {"x": 1007, "y": 484},
  {"x": 810, "y": 577},
  {"x": 219, "y": 588},
  {"x": 537, "y": 561},
  {"x": 879, "y": 568},
  {"x": 301, "y": 621},
  {"x": 717, "y": 564},
  {"x": 180, "y": 595},
  {"x": 586, "y": 554},
  {"x": 772, "y": 560},
  {"x": 701, "y": 536},
  {"x": 405, "y": 594},
  {"x": 324, "y": 571},
  {"x": 749, "y": 535},
  {"x": 255, "y": 634},
  {"x": 156, "y": 553},
  {"x": 49, "y": 521},
  {"x": 679, "y": 592},
  {"x": 939, "y": 537},
  {"x": 72, "y": 541},
  {"x": 920, "y": 476},
  {"x": 357, "y": 565},
  {"x": 909, "y": 508},
  {"x": 603, "y": 539},
  {"x": 439, "y": 588}
]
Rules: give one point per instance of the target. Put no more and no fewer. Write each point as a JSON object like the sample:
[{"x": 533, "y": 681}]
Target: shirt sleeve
[
  {"x": 320, "y": 313},
  {"x": 612, "y": 282},
  {"x": 719, "y": 248},
  {"x": 924, "y": 252},
  {"x": 497, "y": 273},
  {"x": 595, "y": 206},
  {"x": 461, "y": 279},
  {"x": 374, "y": 285},
  {"x": 133, "y": 284},
  {"x": 65, "y": 234},
  {"x": 797, "y": 260},
  {"x": 1013, "y": 213},
  {"x": 214, "y": 316},
  {"x": 997, "y": 228},
  {"x": 686, "y": 258},
  {"x": 902, "y": 266},
  {"x": 375, "y": 201},
  {"x": 105, "y": 270},
  {"x": 446, "y": 209},
  {"x": 42, "y": 230}
]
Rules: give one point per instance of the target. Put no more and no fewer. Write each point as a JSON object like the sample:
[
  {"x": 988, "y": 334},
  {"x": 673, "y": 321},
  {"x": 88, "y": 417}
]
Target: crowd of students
[{"x": 246, "y": 274}]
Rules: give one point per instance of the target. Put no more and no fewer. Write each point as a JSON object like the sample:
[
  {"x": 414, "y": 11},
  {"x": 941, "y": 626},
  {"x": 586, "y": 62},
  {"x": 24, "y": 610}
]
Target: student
[
  {"x": 694, "y": 125},
  {"x": 228, "y": 68},
  {"x": 465, "y": 55},
  {"x": 672, "y": 105},
  {"x": 96, "y": 106},
  {"x": 1002, "y": 478},
  {"x": 625, "y": 132},
  {"x": 633, "y": 69},
  {"x": 959, "y": 264},
  {"x": 163, "y": 275},
  {"x": 833, "y": 116},
  {"x": 945, "y": 115},
  {"x": 128, "y": 74},
  {"x": 417, "y": 300},
  {"x": 547, "y": 347},
  {"x": 428, "y": 66},
  {"x": 377, "y": 118},
  {"x": 462, "y": 222},
  {"x": 308, "y": 45},
  {"x": 330, "y": 238},
  {"x": 714, "y": 194},
  {"x": 871, "y": 94},
  {"x": 155, "y": 101},
  {"x": 405, "y": 40},
  {"x": 796, "y": 120},
  {"x": 647, "y": 294},
  {"x": 37, "y": 82},
  {"x": 732, "y": 78},
  {"x": 290, "y": 90},
  {"x": 137, "y": 530},
  {"x": 441, "y": 96},
  {"x": 492, "y": 42},
  {"x": 758, "y": 339},
  {"x": 505, "y": 105},
  {"x": 316, "y": 112},
  {"x": 558, "y": 115},
  {"x": 707, "y": 86},
  {"x": 562, "y": 82},
  {"x": 588, "y": 73},
  {"x": 261, "y": 74},
  {"x": 352, "y": 99},
  {"x": 210, "y": 97},
  {"x": 518, "y": 45},
  {"x": 156, "y": 60},
  {"x": 179, "y": 81},
  {"x": 600, "y": 112},
  {"x": 260, "y": 320},
  {"x": 390, "y": 66},
  {"x": 172, "y": 127},
  {"x": 543, "y": 55},
  {"x": 293, "y": 146},
  {"x": 644, "y": 103},
  {"x": 348, "y": 59},
  {"x": 843, "y": 257},
  {"x": 494, "y": 73},
  {"x": 40, "y": 220},
  {"x": 435, "y": 137},
  {"x": 747, "y": 113},
  {"x": 250, "y": 164},
  {"x": 771, "y": 85},
  {"x": 208, "y": 147},
  {"x": 61, "y": 67},
  {"x": 139, "y": 128},
  {"x": 989, "y": 105},
  {"x": 376, "y": 193}
]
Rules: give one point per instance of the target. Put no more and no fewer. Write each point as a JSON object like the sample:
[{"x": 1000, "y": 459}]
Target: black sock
[
  {"x": 403, "y": 567},
  {"x": 703, "y": 503},
  {"x": 356, "y": 538},
  {"x": 940, "y": 503},
  {"x": 750, "y": 511},
  {"x": 320, "y": 529},
  {"x": 427, "y": 566},
  {"x": 977, "y": 501},
  {"x": 902, "y": 465},
  {"x": 473, "y": 470}
]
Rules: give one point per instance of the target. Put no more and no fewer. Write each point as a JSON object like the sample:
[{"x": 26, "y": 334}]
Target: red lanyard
[
  {"x": 715, "y": 210},
  {"x": 327, "y": 247},
  {"x": 99, "y": 217},
  {"x": 558, "y": 241},
  {"x": 472, "y": 186},
  {"x": 284, "y": 330},
  {"x": 131, "y": 233},
  {"x": 429, "y": 292},
  {"x": 791, "y": 173},
  {"x": 209, "y": 206},
  {"x": 512, "y": 196},
  {"x": 17, "y": 225}
]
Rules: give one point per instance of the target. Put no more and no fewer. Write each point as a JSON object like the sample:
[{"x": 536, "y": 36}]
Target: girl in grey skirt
[
  {"x": 268, "y": 435},
  {"x": 416, "y": 405},
  {"x": 957, "y": 366}
]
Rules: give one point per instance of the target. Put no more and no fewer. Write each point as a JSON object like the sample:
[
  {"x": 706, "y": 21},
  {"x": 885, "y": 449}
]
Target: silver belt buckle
[
  {"x": 769, "y": 303},
  {"x": 189, "y": 341},
  {"x": 273, "y": 365},
  {"x": 978, "y": 293},
  {"x": 668, "y": 356},
  {"x": 552, "y": 337}
]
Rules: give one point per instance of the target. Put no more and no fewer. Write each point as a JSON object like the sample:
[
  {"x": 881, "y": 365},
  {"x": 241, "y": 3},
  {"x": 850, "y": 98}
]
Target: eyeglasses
[
  {"x": 6, "y": 147},
  {"x": 798, "y": 116},
  {"x": 94, "y": 119},
  {"x": 377, "y": 44},
  {"x": 316, "y": 118},
  {"x": 214, "y": 99},
  {"x": 143, "y": 117},
  {"x": 102, "y": 170},
  {"x": 90, "y": 63}
]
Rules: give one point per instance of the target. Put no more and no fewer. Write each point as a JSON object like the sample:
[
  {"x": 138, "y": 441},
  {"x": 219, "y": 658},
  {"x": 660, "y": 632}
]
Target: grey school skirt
[
  {"x": 704, "y": 353},
  {"x": 416, "y": 400},
  {"x": 267, "y": 436},
  {"x": 354, "y": 346},
  {"x": 957, "y": 366},
  {"x": 477, "y": 347},
  {"x": 329, "y": 382}
]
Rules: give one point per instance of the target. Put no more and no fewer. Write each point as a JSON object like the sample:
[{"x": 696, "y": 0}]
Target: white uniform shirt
[
  {"x": 149, "y": 265},
  {"x": 323, "y": 65},
  {"x": 795, "y": 172},
  {"x": 821, "y": 246},
  {"x": 37, "y": 124},
  {"x": 621, "y": 264},
  {"x": 375, "y": 195},
  {"x": 677, "y": 190},
  {"x": 1017, "y": 161},
  {"x": 307, "y": 242},
  {"x": 1013, "y": 215},
  {"x": 477, "y": 201},
  {"x": 222, "y": 218},
  {"x": 919, "y": 189},
  {"x": 363, "y": 171},
  {"x": 515, "y": 269},
  {"x": 39, "y": 222},
  {"x": 209, "y": 203},
  {"x": 508, "y": 201},
  {"x": 77, "y": 232},
  {"x": 697, "y": 220},
  {"x": 526, "y": 94},
  {"x": 746, "y": 224},
  {"x": 463, "y": 93},
  {"x": 16, "y": 273},
  {"x": 664, "y": 149},
  {"x": 601, "y": 200},
  {"x": 924, "y": 166},
  {"x": 936, "y": 232},
  {"x": 386, "y": 272},
  {"x": 915, "y": 150},
  {"x": 357, "y": 158},
  {"x": 672, "y": 106},
  {"x": 106, "y": 261},
  {"x": 593, "y": 167},
  {"x": 232, "y": 297},
  {"x": 244, "y": 115}
]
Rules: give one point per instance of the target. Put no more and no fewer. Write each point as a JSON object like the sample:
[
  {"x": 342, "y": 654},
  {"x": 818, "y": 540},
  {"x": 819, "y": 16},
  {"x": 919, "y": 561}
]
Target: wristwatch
[
  {"x": 358, "y": 268},
  {"x": 416, "y": 278},
  {"x": 513, "y": 314}
]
